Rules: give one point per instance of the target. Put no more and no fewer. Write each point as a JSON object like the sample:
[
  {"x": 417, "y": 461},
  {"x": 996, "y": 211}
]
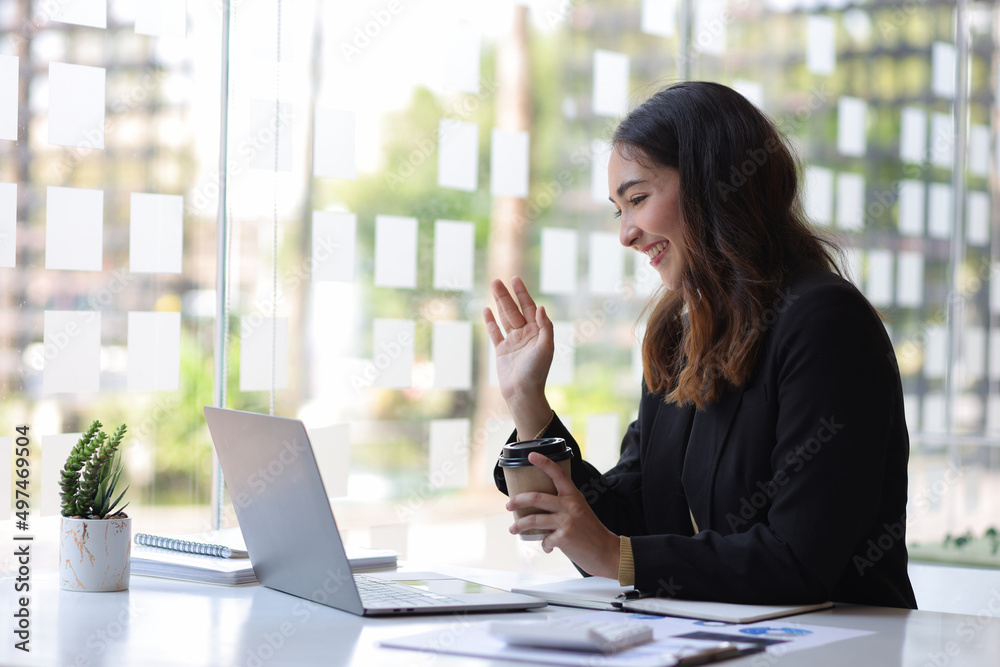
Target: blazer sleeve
[{"x": 837, "y": 395}]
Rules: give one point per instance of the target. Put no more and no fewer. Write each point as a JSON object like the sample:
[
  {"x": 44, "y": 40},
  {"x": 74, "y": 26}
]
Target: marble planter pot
[{"x": 95, "y": 554}]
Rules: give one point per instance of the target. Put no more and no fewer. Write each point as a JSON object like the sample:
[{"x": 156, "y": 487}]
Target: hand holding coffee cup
[{"x": 522, "y": 476}]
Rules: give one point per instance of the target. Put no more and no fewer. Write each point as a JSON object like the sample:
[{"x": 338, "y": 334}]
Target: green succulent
[{"x": 90, "y": 477}]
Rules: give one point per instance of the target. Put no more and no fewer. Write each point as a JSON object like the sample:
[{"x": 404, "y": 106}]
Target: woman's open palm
[{"x": 524, "y": 354}]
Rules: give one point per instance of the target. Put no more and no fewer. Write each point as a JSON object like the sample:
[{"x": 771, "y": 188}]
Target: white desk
[{"x": 164, "y": 622}]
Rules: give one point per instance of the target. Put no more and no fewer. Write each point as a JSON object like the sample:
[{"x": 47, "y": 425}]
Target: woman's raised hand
[{"x": 524, "y": 354}]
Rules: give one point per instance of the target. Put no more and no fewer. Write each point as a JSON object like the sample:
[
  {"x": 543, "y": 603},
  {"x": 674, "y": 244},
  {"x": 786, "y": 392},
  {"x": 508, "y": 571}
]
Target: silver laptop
[{"x": 292, "y": 537}]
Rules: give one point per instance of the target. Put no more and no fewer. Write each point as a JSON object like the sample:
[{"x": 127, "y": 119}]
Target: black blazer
[{"x": 797, "y": 481}]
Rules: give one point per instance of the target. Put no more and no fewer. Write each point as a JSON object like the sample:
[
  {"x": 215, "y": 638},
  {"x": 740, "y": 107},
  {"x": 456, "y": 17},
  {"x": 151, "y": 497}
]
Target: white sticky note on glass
[
  {"x": 462, "y": 56},
  {"x": 154, "y": 351},
  {"x": 559, "y": 261},
  {"x": 331, "y": 446},
  {"x": 933, "y": 413},
  {"x": 452, "y": 355},
  {"x": 935, "y": 351},
  {"x": 458, "y": 155},
  {"x": 852, "y": 126},
  {"x": 156, "y": 233},
  {"x": 601, "y": 156},
  {"x": 603, "y": 441},
  {"x": 74, "y": 228},
  {"x": 454, "y": 255},
  {"x": 878, "y": 286},
  {"x": 850, "y": 201},
  {"x": 943, "y": 70},
  {"x": 939, "y": 211},
  {"x": 334, "y": 144},
  {"x": 606, "y": 263},
  {"x": 395, "y": 251},
  {"x": 710, "y": 20},
  {"x": 913, "y": 135},
  {"x": 659, "y": 17},
  {"x": 161, "y": 18},
  {"x": 978, "y": 220},
  {"x": 564, "y": 357},
  {"x": 752, "y": 90},
  {"x": 910, "y": 279},
  {"x": 979, "y": 150},
  {"x": 448, "y": 453},
  {"x": 974, "y": 352},
  {"x": 259, "y": 356},
  {"x": 819, "y": 195},
  {"x": 821, "y": 44},
  {"x": 911, "y": 208},
  {"x": 55, "y": 451},
  {"x": 8, "y": 97},
  {"x": 392, "y": 353},
  {"x": 509, "y": 163},
  {"x": 93, "y": 13},
  {"x": 610, "y": 93},
  {"x": 72, "y": 348},
  {"x": 270, "y": 135},
  {"x": 8, "y": 225},
  {"x": 76, "y": 105},
  {"x": 942, "y": 140},
  {"x": 334, "y": 237}
]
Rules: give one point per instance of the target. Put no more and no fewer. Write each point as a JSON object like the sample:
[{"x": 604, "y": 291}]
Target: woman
[{"x": 768, "y": 462}]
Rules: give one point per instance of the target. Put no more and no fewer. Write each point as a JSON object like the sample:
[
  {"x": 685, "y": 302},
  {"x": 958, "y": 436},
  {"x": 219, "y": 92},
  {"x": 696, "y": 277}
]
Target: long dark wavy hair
[{"x": 744, "y": 235}]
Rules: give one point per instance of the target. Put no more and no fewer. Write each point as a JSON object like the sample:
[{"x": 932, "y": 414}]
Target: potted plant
[{"x": 95, "y": 539}]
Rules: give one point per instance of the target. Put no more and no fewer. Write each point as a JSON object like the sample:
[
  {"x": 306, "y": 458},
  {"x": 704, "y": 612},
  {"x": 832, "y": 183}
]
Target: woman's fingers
[
  {"x": 543, "y": 501},
  {"x": 562, "y": 481},
  {"x": 507, "y": 311},
  {"x": 523, "y": 298},
  {"x": 492, "y": 328}
]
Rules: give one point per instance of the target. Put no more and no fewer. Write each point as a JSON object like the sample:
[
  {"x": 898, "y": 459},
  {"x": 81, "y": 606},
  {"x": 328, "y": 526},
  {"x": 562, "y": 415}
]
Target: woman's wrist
[{"x": 531, "y": 416}]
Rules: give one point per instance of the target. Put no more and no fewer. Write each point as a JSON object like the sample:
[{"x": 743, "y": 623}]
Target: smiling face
[{"x": 648, "y": 202}]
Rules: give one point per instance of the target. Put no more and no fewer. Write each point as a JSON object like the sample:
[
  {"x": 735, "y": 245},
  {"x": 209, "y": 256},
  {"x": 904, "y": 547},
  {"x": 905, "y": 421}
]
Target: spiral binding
[{"x": 216, "y": 550}]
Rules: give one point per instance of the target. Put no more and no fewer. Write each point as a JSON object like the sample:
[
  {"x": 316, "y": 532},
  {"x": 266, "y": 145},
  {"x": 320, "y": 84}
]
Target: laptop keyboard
[{"x": 377, "y": 593}]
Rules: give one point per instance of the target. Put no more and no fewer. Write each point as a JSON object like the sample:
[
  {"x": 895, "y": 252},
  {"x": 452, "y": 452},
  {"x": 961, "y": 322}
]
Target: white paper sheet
[
  {"x": 559, "y": 261},
  {"x": 334, "y": 243},
  {"x": 72, "y": 349},
  {"x": 604, "y": 439},
  {"x": 913, "y": 135},
  {"x": 454, "y": 255},
  {"x": 819, "y": 195},
  {"x": 606, "y": 263},
  {"x": 392, "y": 353},
  {"x": 270, "y": 125},
  {"x": 601, "y": 156},
  {"x": 709, "y": 33},
  {"x": 852, "y": 126},
  {"x": 448, "y": 457},
  {"x": 154, "y": 351},
  {"x": 752, "y": 90},
  {"x": 850, "y": 201},
  {"x": 334, "y": 144},
  {"x": 509, "y": 163},
  {"x": 76, "y": 105},
  {"x": 821, "y": 44},
  {"x": 395, "y": 251},
  {"x": 935, "y": 351},
  {"x": 979, "y": 150},
  {"x": 74, "y": 229},
  {"x": 939, "y": 211},
  {"x": 156, "y": 233},
  {"x": 610, "y": 92},
  {"x": 55, "y": 451},
  {"x": 458, "y": 155},
  {"x": 452, "y": 355},
  {"x": 878, "y": 287},
  {"x": 942, "y": 140},
  {"x": 974, "y": 353},
  {"x": 978, "y": 219},
  {"x": 161, "y": 18},
  {"x": 911, "y": 208},
  {"x": 659, "y": 17},
  {"x": 93, "y": 13},
  {"x": 564, "y": 359},
  {"x": 8, "y": 225},
  {"x": 256, "y": 352},
  {"x": 8, "y": 97},
  {"x": 332, "y": 447},
  {"x": 943, "y": 70},
  {"x": 462, "y": 60},
  {"x": 910, "y": 279}
]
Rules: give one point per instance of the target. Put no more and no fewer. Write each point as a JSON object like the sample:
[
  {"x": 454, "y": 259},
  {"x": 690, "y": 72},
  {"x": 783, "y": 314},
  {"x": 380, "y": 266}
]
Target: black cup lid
[{"x": 515, "y": 454}]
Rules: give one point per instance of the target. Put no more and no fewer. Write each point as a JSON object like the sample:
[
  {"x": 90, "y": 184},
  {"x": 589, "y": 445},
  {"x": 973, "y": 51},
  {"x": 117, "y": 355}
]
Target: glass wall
[{"x": 383, "y": 161}]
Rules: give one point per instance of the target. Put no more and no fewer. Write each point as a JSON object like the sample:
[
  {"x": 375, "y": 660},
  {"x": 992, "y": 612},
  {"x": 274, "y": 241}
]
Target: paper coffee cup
[{"x": 522, "y": 476}]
